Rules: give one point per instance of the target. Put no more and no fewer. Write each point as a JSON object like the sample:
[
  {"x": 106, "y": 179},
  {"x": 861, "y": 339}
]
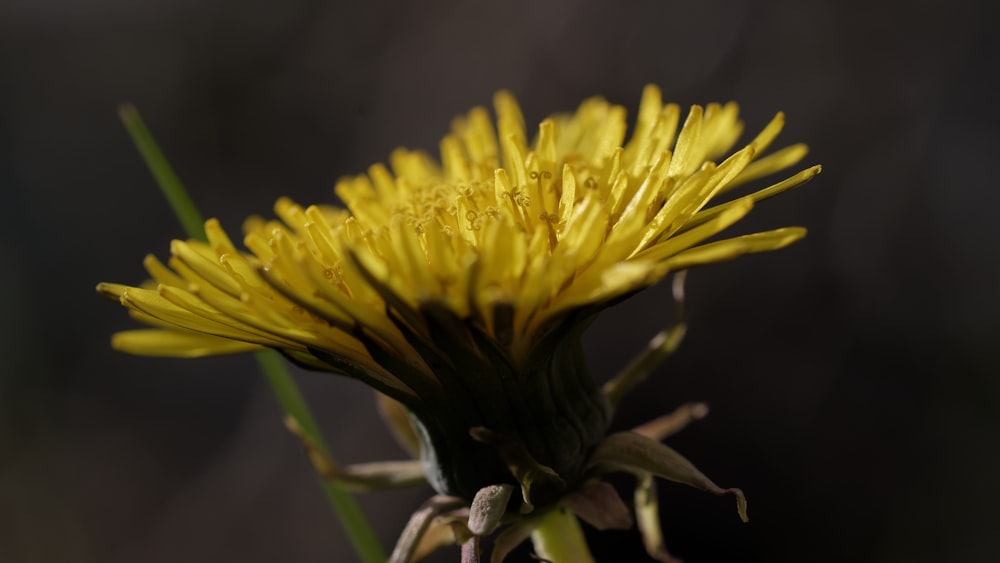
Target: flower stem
[
  {"x": 559, "y": 539},
  {"x": 358, "y": 530}
]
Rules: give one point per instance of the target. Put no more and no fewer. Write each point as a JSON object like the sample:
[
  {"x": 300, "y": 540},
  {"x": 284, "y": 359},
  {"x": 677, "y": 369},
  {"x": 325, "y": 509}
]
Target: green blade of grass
[
  {"x": 178, "y": 198},
  {"x": 353, "y": 520}
]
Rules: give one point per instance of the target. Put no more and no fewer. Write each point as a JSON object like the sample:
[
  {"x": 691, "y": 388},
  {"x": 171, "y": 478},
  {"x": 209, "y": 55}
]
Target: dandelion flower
[{"x": 460, "y": 288}]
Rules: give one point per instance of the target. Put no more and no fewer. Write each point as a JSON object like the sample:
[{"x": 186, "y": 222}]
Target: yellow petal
[{"x": 177, "y": 344}]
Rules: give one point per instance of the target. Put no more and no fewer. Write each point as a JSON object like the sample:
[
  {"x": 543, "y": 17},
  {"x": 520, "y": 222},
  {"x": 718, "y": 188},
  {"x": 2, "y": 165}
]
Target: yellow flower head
[{"x": 460, "y": 286}]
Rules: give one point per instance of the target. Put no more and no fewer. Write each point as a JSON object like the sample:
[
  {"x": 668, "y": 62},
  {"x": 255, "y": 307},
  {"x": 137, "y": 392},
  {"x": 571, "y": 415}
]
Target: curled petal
[
  {"x": 635, "y": 453},
  {"x": 445, "y": 530},
  {"x": 599, "y": 505},
  {"x": 513, "y": 536},
  {"x": 661, "y": 347},
  {"x": 379, "y": 475},
  {"x": 414, "y": 531},
  {"x": 670, "y": 424},
  {"x": 647, "y": 515}
]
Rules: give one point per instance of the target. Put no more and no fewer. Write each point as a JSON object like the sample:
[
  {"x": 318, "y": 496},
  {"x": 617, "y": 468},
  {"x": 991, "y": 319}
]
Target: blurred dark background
[{"x": 854, "y": 390}]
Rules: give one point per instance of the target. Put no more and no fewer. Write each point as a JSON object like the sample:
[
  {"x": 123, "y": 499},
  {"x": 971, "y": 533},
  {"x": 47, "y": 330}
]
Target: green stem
[
  {"x": 351, "y": 518},
  {"x": 178, "y": 198},
  {"x": 560, "y": 539},
  {"x": 358, "y": 530}
]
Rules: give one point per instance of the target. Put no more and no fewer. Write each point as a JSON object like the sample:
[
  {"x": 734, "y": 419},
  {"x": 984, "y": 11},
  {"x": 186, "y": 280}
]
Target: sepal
[{"x": 635, "y": 453}]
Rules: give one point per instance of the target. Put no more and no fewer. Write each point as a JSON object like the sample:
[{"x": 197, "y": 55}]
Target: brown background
[{"x": 854, "y": 392}]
